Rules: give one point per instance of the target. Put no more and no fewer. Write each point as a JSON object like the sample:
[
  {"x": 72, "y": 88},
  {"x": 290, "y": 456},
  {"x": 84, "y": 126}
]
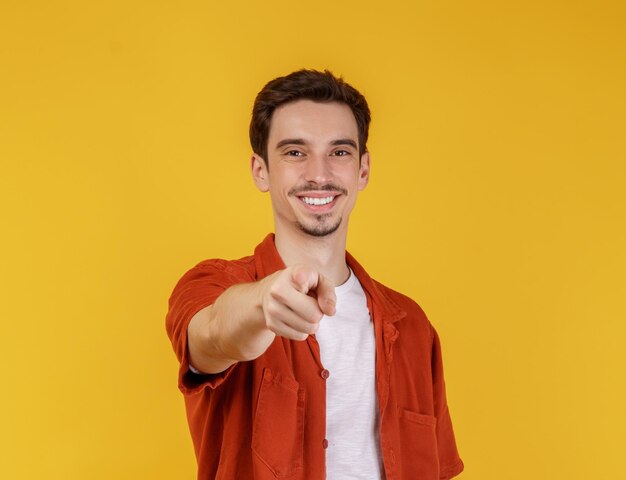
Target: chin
[{"x": 320, "y": 229}]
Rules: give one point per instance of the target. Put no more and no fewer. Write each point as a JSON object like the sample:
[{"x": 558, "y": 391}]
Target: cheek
[
  {"x": 280, "y": 185},
  {"x": 284, "y": 176},
  {"x": 352, "y": 180}
]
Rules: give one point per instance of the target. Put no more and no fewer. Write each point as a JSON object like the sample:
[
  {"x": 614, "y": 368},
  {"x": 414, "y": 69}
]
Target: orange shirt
[{"x": 266, "y": 419}]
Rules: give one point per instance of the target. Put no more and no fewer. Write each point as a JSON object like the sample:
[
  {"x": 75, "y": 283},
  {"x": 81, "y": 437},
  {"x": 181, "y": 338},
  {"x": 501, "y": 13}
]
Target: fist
[{"x": 295, "y": 300}]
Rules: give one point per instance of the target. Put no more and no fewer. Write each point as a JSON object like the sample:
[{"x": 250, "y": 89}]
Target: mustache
[{"x": 311, "y": 187}]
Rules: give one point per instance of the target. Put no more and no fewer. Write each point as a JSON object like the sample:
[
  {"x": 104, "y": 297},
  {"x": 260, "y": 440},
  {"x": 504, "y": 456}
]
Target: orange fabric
[{"x": 265, "y": 419}]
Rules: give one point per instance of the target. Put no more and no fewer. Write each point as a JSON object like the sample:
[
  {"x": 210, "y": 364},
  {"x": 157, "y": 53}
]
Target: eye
[
  {"x": 295, "y": 153},
  {"x": 341, "y": 153}
]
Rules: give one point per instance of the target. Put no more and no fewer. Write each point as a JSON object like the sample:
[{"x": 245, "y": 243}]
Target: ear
[
  {"x": 259, "y": 173},
  {"x": 364, "y": 171}
]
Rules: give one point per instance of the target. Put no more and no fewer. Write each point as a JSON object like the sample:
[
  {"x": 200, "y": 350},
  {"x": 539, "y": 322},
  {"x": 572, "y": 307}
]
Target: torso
[{"x": 347, "y": 349}]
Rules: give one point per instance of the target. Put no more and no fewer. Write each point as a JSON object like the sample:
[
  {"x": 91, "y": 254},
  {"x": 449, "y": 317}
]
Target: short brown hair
[{"x": 305, "y": 85}]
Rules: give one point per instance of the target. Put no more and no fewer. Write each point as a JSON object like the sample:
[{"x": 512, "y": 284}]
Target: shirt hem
[{"x": 452, "y": 471}]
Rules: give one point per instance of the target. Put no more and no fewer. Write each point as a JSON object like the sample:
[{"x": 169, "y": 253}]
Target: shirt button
[
  {"x": 325, "y": 443},
  {"x": 325, "y": 374}
]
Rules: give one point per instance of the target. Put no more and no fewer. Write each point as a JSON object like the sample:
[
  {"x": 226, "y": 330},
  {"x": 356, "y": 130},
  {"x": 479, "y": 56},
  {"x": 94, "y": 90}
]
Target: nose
[{"x": 318, "y": 169}]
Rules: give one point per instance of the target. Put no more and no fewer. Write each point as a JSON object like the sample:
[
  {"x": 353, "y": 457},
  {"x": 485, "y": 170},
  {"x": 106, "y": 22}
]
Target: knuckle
[
  {"x": 276, "y": 294},
  {"x": 272, "y": 311}
]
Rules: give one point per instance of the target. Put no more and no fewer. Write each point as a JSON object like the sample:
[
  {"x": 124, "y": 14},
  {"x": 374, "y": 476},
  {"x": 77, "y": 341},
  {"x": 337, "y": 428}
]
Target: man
[{"x": 294, "y": 363}]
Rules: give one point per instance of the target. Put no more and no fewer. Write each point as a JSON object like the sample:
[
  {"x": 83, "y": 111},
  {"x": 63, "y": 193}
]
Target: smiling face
[{"x": 314, "y": 167}]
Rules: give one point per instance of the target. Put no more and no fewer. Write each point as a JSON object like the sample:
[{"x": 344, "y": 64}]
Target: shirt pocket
[
  {"x": 418, "y": 446},
  {"x": 278, "y": 429}
]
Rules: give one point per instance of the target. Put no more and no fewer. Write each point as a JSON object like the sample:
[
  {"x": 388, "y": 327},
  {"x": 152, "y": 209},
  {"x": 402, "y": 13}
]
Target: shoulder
[
  {"x": 220, "y": 271},
  {"x": 242, "y": 266}
]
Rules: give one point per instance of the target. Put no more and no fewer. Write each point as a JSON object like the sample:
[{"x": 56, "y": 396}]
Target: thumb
[
  {"x": 326, "y": 298},
  {"x": 304, "y": 278}
]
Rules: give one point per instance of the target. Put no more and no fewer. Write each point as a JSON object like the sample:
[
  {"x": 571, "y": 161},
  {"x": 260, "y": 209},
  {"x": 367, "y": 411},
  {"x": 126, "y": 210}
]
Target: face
[{"x": 315, "y": 171}]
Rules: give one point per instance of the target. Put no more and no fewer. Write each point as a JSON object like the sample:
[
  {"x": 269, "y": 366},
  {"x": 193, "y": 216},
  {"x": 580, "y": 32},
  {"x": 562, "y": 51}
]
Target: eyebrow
[
  {"x": 300, "y": 141},
  {"x": 290, "y": 141},
  {"x": 344, "y": 141}
]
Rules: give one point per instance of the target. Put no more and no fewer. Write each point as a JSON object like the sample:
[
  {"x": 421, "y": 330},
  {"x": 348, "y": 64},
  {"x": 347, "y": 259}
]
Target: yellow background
[{"x": 497, "y": 202}]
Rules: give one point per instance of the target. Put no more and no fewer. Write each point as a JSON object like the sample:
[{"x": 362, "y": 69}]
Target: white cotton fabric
[{"x": 348, "y": 352}]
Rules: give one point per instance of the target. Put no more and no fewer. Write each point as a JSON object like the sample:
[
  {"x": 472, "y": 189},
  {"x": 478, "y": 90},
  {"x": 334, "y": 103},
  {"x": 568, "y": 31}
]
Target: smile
[{"x": 317, "y": 201}]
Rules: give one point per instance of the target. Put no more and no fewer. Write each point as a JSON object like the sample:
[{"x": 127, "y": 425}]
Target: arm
[{"x": 245, "y": 319}]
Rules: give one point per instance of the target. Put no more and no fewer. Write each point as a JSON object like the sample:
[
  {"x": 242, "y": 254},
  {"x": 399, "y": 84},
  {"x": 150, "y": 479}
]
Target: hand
[{"x": 294, "y": 301}]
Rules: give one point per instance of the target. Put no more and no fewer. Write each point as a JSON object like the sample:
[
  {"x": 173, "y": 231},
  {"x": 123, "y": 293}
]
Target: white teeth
[{"x": 317, "y": 201}]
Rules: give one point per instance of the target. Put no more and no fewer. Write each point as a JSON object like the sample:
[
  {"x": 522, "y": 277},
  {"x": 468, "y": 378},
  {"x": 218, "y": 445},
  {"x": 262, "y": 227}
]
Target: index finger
[{"x": 326, "y": 298}]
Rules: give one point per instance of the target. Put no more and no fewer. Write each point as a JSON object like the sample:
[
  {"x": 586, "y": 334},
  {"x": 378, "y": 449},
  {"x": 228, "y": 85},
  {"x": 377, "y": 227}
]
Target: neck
[{"x": 326, "y": 254}]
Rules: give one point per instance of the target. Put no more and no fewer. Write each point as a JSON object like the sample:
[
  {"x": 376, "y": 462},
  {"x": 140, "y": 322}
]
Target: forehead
[{"x": 312, "y": 121}]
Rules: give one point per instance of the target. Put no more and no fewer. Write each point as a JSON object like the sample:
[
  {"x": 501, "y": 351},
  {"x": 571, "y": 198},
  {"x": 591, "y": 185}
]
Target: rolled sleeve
[{"x": 197, "y": 289}]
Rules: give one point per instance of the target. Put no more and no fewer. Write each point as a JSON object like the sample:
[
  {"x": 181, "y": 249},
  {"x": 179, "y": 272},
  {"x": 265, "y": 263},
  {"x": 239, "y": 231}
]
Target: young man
[{"x": 294, "y": 363}]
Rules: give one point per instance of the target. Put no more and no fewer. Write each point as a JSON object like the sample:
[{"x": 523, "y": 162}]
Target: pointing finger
[{"x": 326, "y": 298}]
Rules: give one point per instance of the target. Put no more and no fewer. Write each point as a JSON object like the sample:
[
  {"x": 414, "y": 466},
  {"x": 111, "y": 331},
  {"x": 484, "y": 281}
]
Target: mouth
[{"x": 319, "y": 202}]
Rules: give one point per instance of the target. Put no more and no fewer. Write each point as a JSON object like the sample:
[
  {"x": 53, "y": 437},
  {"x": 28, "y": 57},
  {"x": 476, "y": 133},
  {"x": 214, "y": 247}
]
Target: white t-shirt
[{"x": 348, "y": 352}]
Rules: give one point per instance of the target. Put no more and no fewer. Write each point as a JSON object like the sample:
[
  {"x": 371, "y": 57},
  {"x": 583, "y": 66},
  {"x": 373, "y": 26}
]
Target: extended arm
[{"x": 245, "y": 319}]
